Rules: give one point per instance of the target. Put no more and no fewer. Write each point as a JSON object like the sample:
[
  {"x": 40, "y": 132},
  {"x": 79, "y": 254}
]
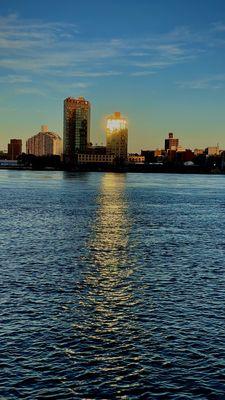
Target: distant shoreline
[{"x": 130, "y": 169}]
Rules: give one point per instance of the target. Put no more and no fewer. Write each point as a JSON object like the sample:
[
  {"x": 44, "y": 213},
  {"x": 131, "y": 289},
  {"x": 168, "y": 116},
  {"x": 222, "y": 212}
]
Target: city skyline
[
  {"x": 79, "y": 109},
  {"x": 163, "y": 68},
  {"x": 73, "y": 132}
]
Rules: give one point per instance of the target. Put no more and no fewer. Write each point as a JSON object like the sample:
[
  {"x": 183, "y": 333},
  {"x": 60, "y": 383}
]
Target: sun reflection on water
[{"x": 110, "y": 329}]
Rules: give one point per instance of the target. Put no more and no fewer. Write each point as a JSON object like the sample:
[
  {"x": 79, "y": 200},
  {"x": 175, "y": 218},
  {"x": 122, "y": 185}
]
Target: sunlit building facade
[
  {"x": 135, "y": 158},
  {"x": 76, "y": 133},
  {"x": 212, "y": 151},
  {"x": 44, "y": 143},
  {"x": 117, "y": 136}
]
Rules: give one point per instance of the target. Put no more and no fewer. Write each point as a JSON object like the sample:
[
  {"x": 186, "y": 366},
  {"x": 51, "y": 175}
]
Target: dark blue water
[{"x": 112, "y": 286}]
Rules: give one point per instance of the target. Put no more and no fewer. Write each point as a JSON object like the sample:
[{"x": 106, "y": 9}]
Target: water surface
[{"x": 112, "y": 286}]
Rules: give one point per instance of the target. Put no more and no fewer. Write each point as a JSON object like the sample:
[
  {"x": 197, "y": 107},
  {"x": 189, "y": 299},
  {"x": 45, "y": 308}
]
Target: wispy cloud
[
  {"x": 89, "y": 74},
  {"x": 33, "y": 50},
  {"x": 19, "y": 34},
  {"x": 30, "y": 90},
  {"x": 62, "y": 86},
  {"x": 37, "y": 46},
  {"x": 12, "y": 79},
  {"x": 142, "y": 73},
  {"x": 208, "y": 82},
  {"x": 218, "y": 27}
]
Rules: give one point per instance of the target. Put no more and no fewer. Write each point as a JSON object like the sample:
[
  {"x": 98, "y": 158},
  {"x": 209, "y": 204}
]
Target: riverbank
[{"x": 181, "y": 169}]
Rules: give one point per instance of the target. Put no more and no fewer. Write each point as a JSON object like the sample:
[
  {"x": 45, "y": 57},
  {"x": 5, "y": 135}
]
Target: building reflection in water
[{"x": 109, "y": 304}]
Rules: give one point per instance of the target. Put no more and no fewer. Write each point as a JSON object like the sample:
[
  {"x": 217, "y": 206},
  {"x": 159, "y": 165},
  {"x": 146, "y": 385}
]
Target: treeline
[
  {"x": 41, "y": 162},
  {"x": 200, "y": 164}
]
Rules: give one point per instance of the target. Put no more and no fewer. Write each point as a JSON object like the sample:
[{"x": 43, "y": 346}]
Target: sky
[{"x": 161, "y": 63}]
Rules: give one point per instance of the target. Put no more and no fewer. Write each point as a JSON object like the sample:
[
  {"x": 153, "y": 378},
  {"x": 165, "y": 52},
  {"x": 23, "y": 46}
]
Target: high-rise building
[
  {"x": 171, "y": 143},
  {"x": 117, "y": 136},
  {"x": 44, "y": 143},
  {"x": 76, "y": 133},
  {"x": 14, "y": 149}
]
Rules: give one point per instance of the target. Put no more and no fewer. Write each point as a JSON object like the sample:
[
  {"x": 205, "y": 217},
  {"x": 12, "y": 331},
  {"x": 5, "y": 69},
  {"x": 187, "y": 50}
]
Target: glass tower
[
  {"x": 76, "y": 133},
  {"x": 117, "y": 136}
]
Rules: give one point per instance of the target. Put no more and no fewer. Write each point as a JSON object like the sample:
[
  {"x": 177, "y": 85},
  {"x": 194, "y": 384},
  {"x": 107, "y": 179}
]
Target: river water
[{"x": 112, "y": 286}]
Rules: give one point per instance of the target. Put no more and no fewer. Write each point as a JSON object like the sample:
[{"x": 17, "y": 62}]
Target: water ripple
[{"x": 112, "y": 286}]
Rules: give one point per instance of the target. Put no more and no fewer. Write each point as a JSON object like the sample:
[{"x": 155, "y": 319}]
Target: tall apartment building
[
  {"x": 76, "y": 132},
  {"x": 117, "y": 136},
  {"x": 14, "y": 149},
  {"x": 171, "y": 143},
  {"x": 44, "y": 143}
]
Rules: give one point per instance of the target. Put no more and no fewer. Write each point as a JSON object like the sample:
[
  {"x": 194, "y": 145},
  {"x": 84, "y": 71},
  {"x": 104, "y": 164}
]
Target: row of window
[{"x": 93, "y": 157}]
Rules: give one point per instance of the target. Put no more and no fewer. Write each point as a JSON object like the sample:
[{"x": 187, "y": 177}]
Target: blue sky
[{"x": 160, "y": 62}]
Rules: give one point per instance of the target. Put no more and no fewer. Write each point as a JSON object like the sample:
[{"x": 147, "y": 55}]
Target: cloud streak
[
  {"x": 33, "y": 50},
  {"x": 15, "y": 79},
  {"x": 204, "y": 83}
]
